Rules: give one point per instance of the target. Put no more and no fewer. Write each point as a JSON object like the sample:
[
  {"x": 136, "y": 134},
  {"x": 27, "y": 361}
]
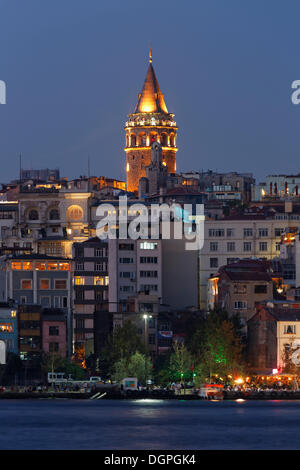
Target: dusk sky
[{"x": 74, "y": 68}]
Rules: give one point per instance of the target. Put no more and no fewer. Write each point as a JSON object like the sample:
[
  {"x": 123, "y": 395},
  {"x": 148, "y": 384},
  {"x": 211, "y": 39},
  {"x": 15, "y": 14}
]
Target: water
[{"x": 149, "y": 424}]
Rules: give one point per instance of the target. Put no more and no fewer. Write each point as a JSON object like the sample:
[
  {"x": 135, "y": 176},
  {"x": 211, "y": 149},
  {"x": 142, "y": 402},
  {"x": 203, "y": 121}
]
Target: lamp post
[{"x": 146, "y": 316}]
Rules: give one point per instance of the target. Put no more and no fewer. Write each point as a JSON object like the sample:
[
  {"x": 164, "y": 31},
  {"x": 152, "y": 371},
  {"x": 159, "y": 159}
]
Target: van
[{"x": 58, "y": 378}]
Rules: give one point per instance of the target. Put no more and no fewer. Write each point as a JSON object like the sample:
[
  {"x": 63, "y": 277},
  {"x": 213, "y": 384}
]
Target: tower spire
[{"x": 150, "y": 54}]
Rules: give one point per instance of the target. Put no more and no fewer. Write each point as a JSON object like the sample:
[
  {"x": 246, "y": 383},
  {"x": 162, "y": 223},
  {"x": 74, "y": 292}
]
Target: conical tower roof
[{"x": 151, "y": 99}]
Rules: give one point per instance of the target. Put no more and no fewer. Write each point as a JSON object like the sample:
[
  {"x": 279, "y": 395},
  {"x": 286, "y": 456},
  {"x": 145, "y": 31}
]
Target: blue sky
[{"x": 74, "y": 68}]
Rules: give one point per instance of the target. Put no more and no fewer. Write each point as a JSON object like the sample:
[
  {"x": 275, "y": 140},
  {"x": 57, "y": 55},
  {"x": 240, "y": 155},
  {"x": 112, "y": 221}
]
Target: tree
[
  {"x": 12, "y": 368},
  {"x": 57, "y": 363},
  {"x": 138, "y": 365},
  {"x": 123, "y": 343},
  {"x": 180, "y": 365},
  {"x": 217, "y": 346}
]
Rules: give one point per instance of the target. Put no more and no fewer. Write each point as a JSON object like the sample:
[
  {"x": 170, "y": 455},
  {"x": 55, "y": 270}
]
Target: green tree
[
  {"x": 217, "y": 346},
  {"x": 123, "y": 343},
  {"x": 180, "y": 365},
  {"x": 57, "y": 363},
  {"x": 138, "y": 365}
]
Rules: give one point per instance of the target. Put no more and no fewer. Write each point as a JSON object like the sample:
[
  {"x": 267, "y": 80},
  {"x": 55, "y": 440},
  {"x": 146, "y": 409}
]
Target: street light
[{"x": 146, "y": 316}]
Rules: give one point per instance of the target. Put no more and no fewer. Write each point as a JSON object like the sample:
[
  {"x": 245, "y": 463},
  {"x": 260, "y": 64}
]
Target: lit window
[
  {"x": 6, "y": 327},
  {"x": 27, "y": 265},
  {"x": 148, "y": 246},
  {"x": 64, "y": 266},
  {"x": 16, "y": 265},
  {"x": 45, "y": 284},
  {"x": 79, "y": 280},
  {"x": 26, "y": 284},
  {"x": 52, "y": 266},
  {"x": 40, "y": 266},
  {"x": 101, "y": 281},
  {"x": 13, "y": 313}
]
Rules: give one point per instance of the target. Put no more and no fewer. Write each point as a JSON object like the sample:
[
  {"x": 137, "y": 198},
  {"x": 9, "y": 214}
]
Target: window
[
  {"x": 248, "y": 232},
  {"x": 100, "y": 267},
  {"x": 216, "y": 232},
  {"x": 54, "y": 214},
  {"x": 79, "y": 252},
  {"x": 45, "y": 284},
  {"x": 278, "y": 232},
  {"x": 53, "y": 330},
  {"x": 126, "y": 246},
  {"x": 230, "y": 232},
  {"x": 213, "y": 246},
  {"x": 98, "y": 295},
  {"x": 148, "y": 273},
  {"x": 33, "y": 215},
  {"x": 240, "y": 305},
  {"x": 101, "y": 281},
  {"x": 277, "y": 246},
  {"x": 79, "y": 280},
  {"x": 148, "y": 245},
  {"x": 40, "y": 266},
  {"x": 16, "y": 265},
  {"x": 53, "y": 347},
  {"x": 240, "y": 289},
  {"x": 100, "y": 252},
  {"x": 152, "y": 338},
  {"x": 148, "y": 259},
  {"x": 127, "y": 288},
  {"x": 63, "y": 266},
  {"x": 149, "y": 287},
  {"x": 230, "y": 246},
  {"x": 289, "y": 329},
  {"x": 79, "y": 295},
  {"x": 260, "y": 289},
  {"x": 45, "y": 301},
  {"x": 60, "y": 283},
  {"x": 213, "y": 262},
  {"x": 52, "y": 266},
  {"x": 23, "y": 299},
  {"x": 263, "y": 246},
  {"x": 26, "y": 284},
  {"x": 263, "y": 232},
  {"x": 127, "y": 274},
  {"x": 126, "y": 260},
  {"x": 27, "y": 266},
  {"x": 79, "y": 267},
  {"x": 247, "y": 246},
  {"x": 6, "y": 328}
]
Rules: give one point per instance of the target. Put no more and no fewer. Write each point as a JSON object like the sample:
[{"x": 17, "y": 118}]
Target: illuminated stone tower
[{"x": 150, "y": 122}]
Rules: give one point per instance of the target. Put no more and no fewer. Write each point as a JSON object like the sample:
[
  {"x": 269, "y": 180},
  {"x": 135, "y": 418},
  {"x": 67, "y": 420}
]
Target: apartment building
[
  {"x": 257, "y": 233},
  {"x": 9, "y": 326},
  {"x": 54, "y": 332},
  {"x": 159, "y": 267},
  {"x": 38, "y": 280},
  {"x": 92, "y": 322},
  {"x": 238, "y": 286}
]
